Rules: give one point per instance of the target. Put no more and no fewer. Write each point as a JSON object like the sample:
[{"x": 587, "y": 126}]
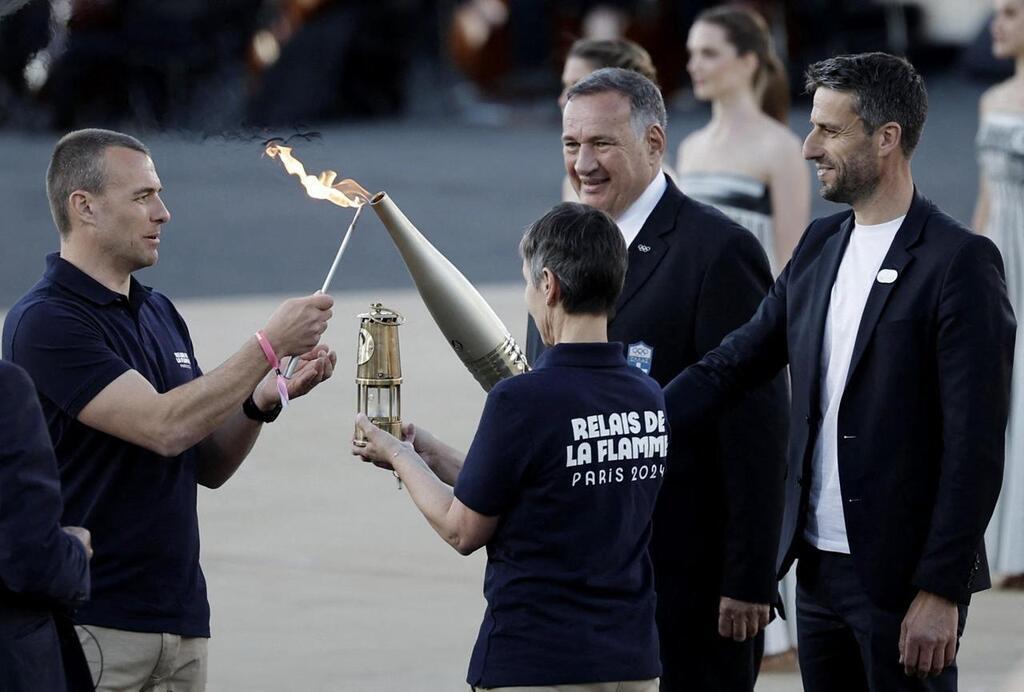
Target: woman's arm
[
  {"x": 790, "y": 184},
  {"x": 461, "y": 527}
]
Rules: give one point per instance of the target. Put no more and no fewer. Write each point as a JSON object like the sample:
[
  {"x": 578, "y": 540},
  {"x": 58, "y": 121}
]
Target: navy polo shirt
[
  {"x": 74, "y": 337},
  {"x": 571, "y": 457}
]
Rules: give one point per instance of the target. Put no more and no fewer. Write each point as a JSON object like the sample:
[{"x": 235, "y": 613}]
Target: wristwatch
[{"x": 253, "y": 412}]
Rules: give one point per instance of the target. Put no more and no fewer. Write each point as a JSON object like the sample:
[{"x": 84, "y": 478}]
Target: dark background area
[{"x": 465, "y": 141}]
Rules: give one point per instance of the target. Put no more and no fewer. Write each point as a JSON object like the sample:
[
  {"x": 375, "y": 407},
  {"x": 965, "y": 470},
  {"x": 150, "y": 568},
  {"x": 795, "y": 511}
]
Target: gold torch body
[
  {"x": 472, "y": 328},
  {"x": 379, "y": 371}
]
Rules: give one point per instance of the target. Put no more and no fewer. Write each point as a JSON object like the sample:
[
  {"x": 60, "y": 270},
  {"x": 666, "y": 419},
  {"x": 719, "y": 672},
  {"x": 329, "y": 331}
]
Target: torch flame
[{"x": 347, "y": 193}]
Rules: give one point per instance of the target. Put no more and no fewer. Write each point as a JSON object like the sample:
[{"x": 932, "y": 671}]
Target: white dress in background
[{"x": 1001, "y": 157}]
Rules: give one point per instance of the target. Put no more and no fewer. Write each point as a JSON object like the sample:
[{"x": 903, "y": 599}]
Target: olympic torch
[{"x": 479, "y": 337}]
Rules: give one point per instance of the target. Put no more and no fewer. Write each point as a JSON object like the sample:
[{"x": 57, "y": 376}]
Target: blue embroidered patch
[{"x": 640, "y": 355}]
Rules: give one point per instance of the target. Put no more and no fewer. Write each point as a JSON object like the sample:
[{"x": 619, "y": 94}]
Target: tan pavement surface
[{"x": 322, "y": 575}]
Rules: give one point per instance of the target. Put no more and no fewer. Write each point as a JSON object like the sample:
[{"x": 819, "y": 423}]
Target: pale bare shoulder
[
  {"x": 1005, "y": 96},
  {"x": 688, "y": 142},
  {"x": 782, "y": 145},
  {"x": 780, "y": 137}
]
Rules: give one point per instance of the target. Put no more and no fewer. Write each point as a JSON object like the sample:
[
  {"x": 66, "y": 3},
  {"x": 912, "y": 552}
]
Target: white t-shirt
[
  {"x": 634, "y": 218},
  {"x": 858, "y": 271}
]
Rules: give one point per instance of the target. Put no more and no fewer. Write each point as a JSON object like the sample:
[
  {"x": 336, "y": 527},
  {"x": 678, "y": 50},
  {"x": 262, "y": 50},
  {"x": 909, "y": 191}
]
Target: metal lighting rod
[{"x": 294, "y": 362}]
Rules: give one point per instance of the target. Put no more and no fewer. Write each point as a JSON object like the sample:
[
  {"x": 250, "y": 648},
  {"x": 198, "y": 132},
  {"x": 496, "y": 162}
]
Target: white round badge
[{"x": 887, "y": 276}]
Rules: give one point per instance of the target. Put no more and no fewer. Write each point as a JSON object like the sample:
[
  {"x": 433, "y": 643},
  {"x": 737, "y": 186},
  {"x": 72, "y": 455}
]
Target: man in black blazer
[
  {"x": 693, "y": 277},
  {"x": 43, "y": 569},
  {"x": 899, "y": 335}
]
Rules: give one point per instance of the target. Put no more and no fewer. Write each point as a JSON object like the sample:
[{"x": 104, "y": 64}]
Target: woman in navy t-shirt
[{"x": 559, "y": 483}]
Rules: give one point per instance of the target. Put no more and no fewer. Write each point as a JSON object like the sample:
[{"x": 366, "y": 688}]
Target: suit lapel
[
  {"x": 650, "y": 245},
  {"x": 824, "y": 278},
  {"x": 896, "y": 260}
]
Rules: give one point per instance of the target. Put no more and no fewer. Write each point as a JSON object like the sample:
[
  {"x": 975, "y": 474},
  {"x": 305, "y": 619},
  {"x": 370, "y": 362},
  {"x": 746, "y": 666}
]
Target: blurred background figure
[
  {"x": 315, "y": 60},
  {"x": 588, "y": 55},
  {"x": 160, "y": 64},
  {"x": 1000, "y": 215},
  {"x": 23, "y": 33},
  {"x": 745, "y": 161}
]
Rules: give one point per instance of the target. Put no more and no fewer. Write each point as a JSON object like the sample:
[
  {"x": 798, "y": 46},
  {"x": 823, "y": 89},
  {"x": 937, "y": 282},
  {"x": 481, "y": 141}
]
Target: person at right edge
[
  {"x": 896, "y": 325},
  {"x": 694, "y": 275}
]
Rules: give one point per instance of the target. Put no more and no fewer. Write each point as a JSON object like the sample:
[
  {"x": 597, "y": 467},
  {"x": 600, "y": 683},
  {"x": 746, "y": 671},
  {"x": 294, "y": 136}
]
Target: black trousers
[
  {"x": 846, "y": 642},
  {"x": 694, "y": 657}
]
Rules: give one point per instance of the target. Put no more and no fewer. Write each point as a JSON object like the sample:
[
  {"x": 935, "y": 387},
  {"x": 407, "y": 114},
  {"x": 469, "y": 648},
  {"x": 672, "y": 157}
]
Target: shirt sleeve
[
  {"x": 66, "y": 354},
  {"x": 493, "y": 471}
]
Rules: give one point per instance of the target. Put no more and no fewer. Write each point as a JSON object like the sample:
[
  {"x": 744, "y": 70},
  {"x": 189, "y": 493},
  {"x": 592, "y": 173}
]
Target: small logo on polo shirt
[
  {"x": 183, "y": 360},
  {"x": 640, "y": 355}
]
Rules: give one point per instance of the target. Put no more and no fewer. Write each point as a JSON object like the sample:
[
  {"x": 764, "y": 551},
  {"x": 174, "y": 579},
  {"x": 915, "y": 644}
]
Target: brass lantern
[{"x": 379, "y": 371}]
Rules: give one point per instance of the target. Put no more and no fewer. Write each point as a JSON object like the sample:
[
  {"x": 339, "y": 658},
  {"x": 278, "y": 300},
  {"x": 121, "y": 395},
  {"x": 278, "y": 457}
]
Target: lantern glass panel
[{"x": 377, "y": 402}]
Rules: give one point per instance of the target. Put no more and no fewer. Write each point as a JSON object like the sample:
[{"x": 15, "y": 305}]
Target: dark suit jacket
[
  {"x": 42, "y": 569},
  {"x": 924, "y": 411},
  {"x": 694, "y": 275}
]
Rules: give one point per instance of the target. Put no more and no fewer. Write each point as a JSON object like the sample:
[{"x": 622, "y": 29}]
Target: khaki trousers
[
  {"x": 143, "y": 661},
  {"x": 626, "y": 686}
]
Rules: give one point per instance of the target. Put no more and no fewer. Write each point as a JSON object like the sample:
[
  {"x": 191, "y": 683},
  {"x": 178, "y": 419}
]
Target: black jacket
[
  {"x": 43, "y": 571},
  {"x": 922, "y": 419},
  {"x": 694, "y": 275}
]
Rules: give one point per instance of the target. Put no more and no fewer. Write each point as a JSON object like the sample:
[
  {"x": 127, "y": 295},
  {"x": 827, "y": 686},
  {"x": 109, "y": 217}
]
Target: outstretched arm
[{"x": 461, "y": 527}]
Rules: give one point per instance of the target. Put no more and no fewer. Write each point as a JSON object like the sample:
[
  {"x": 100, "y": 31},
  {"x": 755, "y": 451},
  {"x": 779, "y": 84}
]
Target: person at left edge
[
  {"x": 134, "y": 421},
  {"x": 44, "y": 568},
  {"x": 694, "y": 275}
]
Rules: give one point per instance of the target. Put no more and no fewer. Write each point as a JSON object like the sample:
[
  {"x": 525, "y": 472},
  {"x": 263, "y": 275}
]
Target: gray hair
[
  {"x": 77, "y": 164},
  {"x": 646, "y": 106}
]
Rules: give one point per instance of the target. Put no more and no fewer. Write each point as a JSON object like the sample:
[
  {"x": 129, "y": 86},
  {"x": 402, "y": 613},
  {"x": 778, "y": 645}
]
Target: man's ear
[
  {"x": 889, "y": 137},
  {"x": 551, "y": 286},
  {"x": 656, "y": 140},
  {"x": 80, "y": 207}
]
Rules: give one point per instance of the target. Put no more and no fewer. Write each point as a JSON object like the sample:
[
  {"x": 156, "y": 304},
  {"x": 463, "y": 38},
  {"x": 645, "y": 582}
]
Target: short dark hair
[
  {"x": 646, "y": 106},
  {"x": 885, "y": 89},
  {"x": 615, "y": 52},
  {"x": 584, "y": 248},
  {"x": 77, "y": 164}
]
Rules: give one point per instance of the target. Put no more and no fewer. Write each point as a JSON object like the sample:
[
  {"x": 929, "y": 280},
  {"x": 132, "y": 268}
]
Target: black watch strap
[{"x": 253, "y": 412}]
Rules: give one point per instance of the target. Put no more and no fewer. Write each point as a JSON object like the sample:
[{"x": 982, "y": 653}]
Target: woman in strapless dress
[
  {"x": 1000, "y": 215},
  {"x": 745, "y": 161},
  {"x": 748, "y": 164}
]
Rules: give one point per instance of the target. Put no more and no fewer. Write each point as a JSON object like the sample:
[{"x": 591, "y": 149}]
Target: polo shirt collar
[
  {"x": 70, "y": 277},
  {"x": 588, "y": 355}
]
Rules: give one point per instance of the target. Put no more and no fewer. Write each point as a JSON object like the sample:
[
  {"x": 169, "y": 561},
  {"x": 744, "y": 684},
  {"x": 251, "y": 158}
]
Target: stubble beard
[{"x": 857, "y": 180}]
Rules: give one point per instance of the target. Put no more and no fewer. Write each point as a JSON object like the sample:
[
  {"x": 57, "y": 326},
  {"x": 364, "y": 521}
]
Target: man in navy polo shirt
[
  {"x": 134, "y": 422},
  {"x": 559, "y": 483}
]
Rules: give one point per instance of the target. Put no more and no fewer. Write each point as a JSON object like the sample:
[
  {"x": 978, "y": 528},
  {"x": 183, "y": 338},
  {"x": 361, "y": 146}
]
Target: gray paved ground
[{"x": 322, "y": 575}]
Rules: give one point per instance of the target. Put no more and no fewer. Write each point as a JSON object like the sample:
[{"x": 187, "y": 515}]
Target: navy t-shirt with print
[
  {"x": 570, "y": 456},
  {"x": 74, "y": 337}
]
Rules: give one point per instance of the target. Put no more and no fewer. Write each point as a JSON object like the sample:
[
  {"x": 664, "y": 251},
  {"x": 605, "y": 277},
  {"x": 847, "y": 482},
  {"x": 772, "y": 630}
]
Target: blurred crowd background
[{"x": 214, "y": 66}]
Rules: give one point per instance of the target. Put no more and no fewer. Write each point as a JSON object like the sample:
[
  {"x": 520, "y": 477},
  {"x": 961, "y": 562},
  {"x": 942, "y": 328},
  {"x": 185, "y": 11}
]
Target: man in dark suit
[
  {"x": 899, "y": 335},
  {"x": 693, "y": 277},
  {"x": 44, "y": 569}
]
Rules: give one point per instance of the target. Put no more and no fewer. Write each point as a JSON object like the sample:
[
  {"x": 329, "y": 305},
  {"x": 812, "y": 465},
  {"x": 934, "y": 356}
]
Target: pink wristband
[{"x": 275, "y": 363}]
